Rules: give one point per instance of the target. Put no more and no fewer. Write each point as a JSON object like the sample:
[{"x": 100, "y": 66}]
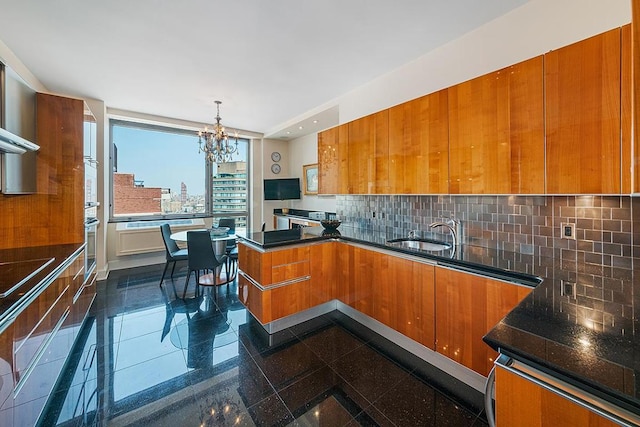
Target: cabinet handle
[{"x": 40, "y": 353}]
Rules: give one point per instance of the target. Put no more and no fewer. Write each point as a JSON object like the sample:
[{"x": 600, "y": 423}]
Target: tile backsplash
[
  {"x": 599, "y": 261},
  {"x": 525, "y": 224}
]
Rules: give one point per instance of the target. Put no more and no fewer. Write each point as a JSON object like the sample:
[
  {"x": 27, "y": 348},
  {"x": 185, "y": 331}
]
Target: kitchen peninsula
[{"x": 540, "y": 330}]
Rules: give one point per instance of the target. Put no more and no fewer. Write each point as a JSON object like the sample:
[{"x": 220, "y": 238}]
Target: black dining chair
[
  {"x": 202, "y": 258},
  {"x": 232, "y": 246},
  {"x": 172, "y": 251}
]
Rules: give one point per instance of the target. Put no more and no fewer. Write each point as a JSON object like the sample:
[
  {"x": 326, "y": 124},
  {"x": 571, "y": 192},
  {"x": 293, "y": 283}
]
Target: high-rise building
[
  {"x": 183, "y": 193},
  {"x": 230, "y": 190}
]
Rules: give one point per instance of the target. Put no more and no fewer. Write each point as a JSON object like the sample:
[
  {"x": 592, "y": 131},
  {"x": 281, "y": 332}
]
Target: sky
[{"x": 163, "y": 159}]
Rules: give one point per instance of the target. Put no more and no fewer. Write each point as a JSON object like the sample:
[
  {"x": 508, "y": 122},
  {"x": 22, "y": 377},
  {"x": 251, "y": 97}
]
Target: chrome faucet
[
  {"x": 454, "y": 226},
  {"x": 413, "y": 235}
]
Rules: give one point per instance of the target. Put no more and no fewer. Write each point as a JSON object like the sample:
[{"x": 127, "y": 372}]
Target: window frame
[{"x": 208, "y": 175}]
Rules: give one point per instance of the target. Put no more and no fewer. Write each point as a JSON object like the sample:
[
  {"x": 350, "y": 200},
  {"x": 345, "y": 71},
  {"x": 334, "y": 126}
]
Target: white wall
[
  {"x": 304, "y": 151},
  {"x": 263, "y": 155}
]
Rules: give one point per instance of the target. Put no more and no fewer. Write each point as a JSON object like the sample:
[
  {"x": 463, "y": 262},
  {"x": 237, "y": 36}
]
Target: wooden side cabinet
[{"x": 467, "y": 307}]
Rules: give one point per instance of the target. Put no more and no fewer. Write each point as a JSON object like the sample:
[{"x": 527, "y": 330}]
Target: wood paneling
[
  {"x": 582, "y": 91},
  {"x": 496, "y": 132},
  {"x": 345, "y": 289},
  {"x": 363, "y": 272},
  {"x": 256, "y": 264},
  {"x": 333, "y": 164},
  {"x": 626, "y": 112},
  {"x": 386, "y": 272},
  {"x": 467, "y": 307},
  {"x": 415, "y": 304},
  {"x": 288, "y": 300},
  {"x": 54, "y": 215},
  {"x": 323, "y": 273},
  {"x": 419, "y": 146},
  {"x": 523, "y": 403},
  {"x": 635, "y": 49},
  {"x": 368, "y": 154}
]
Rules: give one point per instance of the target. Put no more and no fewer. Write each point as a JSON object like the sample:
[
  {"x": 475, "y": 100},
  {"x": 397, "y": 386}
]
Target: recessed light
[
  {"x": 288, "y": 133},
  {"x": 315, "y": 121},
  {"x": 300, "y": 127}
]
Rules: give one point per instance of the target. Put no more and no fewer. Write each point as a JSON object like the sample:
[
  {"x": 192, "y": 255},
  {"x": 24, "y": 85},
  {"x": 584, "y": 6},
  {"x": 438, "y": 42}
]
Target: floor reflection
[{"x": 149, "y": 358}]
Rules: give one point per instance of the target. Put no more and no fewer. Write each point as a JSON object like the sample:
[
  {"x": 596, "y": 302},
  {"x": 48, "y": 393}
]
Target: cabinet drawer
[
  {"x": 34, "y": 326},
  {"x": 283, "y": 273}
]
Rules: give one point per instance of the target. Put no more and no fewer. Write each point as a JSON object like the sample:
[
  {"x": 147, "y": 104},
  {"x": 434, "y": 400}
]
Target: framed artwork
[{"x": 310, "y": 178}]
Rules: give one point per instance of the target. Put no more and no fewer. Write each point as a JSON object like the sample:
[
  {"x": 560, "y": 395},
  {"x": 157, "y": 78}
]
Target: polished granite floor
[{"x": 147, "y": 358}]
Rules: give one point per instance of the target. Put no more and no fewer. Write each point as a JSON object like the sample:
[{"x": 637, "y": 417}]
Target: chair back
[
  {"x": 201, "y": 253},
  {"x": 228, "y": 222},
  {"x": 169, "y": 244},
  {"x": 231, "y": 223}
]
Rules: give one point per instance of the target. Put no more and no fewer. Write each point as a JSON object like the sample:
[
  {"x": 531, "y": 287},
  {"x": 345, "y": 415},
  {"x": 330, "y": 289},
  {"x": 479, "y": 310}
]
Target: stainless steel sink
[{"x": 420, "y": 244}]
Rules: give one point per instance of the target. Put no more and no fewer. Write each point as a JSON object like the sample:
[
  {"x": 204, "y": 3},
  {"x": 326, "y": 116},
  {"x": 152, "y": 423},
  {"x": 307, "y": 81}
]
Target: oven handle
[{"x": 92, "y": 224}]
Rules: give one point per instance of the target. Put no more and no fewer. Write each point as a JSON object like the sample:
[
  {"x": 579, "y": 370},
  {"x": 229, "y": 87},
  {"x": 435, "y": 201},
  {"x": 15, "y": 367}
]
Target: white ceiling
[{"x": 269, "y": 62}]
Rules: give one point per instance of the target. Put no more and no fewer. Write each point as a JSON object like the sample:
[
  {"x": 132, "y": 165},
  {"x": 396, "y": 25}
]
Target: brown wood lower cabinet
[
  {"x": 446, "y": 310},
  {"x": 395, "y": 291},
  {"x": 520, "y": 402},
  {"x": 35, "y": 345},
  {"x": 467, "y": 307}
]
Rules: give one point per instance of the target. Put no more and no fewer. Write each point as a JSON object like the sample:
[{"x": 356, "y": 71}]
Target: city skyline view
[{"x": 164, "y": 159}]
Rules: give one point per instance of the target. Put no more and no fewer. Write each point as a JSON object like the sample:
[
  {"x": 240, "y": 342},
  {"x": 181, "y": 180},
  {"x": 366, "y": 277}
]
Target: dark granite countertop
[
  {"x": 577, "y": 324},
  {"x": 47, "y": 260}
]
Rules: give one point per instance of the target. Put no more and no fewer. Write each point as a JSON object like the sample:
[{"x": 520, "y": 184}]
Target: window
[{"x": 159, "y": 172}]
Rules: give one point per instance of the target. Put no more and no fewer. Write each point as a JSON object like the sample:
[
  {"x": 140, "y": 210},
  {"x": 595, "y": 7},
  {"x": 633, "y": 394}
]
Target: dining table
[{"x": 219, "y": 241}]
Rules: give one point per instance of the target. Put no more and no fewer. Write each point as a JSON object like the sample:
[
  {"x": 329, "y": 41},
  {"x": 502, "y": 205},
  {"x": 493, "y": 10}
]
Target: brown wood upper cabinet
[
  {"x": 496, "y": 132},
  {"x": 333, "y": 165},
  {"x": 419, "y": 146},
  {"x": 584, "y": 115},
  {"x": 368, "y": 154}
]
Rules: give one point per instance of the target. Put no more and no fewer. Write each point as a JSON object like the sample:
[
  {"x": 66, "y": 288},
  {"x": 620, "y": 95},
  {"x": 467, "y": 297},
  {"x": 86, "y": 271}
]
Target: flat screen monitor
[{"x": 282, "y": 189}]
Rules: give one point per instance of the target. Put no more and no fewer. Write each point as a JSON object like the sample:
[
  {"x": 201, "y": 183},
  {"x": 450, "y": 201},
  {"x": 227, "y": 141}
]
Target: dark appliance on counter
[
  {"x": 282, "y": 189},
  {"x": 17, "y": 130}
]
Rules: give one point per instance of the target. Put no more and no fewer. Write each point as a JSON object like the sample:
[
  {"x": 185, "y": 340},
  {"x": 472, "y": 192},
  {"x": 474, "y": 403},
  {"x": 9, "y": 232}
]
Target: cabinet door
[
  {"x": 389, "y": 272},
  {"x": 419, "y": 146},
  {"x": 415, "y": 303},
  {"x": 333, "y": 165},
  {"x": 363, "y": 274},
  {"x": 496, "y": 139},
  {"x": 582, "y": 91},
  {"x": 523, "y": 403},
  {"x": 467, "y": 307},
  {"x": 368, "y": 154},
  {"x": 345, "y": 289},
  {"x": 323, "y": 273}
]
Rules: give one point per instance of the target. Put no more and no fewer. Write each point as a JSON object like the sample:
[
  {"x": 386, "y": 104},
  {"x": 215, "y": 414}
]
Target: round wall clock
[
  {"x": 275, "y": 156},
  {"x": 275, "y": 168}
]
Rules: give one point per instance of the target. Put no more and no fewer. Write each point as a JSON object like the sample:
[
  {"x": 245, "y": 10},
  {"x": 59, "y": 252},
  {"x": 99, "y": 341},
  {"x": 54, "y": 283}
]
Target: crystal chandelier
[{"x": 215, "y": 142}]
